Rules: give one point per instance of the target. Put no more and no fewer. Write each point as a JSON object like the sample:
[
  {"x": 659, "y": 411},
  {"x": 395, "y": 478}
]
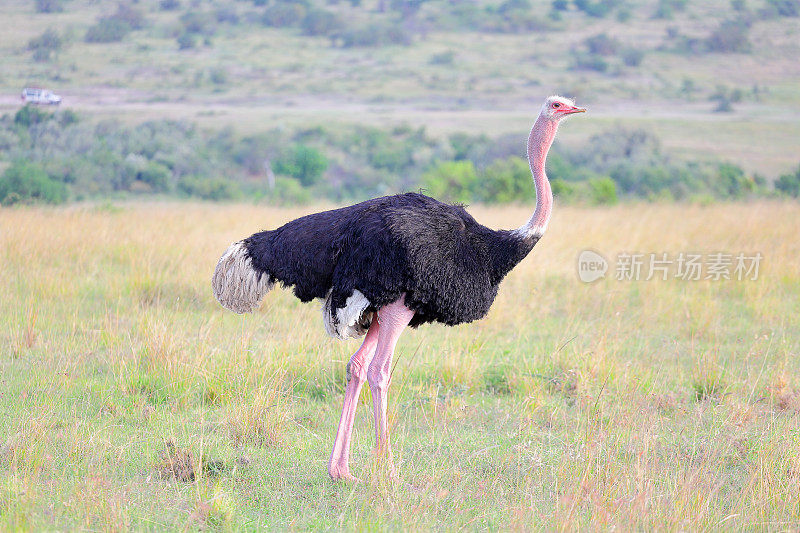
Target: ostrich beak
[{"x": 577, "y": 110}]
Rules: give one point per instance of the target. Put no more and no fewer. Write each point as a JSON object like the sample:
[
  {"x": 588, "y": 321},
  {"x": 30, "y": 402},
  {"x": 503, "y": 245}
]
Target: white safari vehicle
[{"x": 36, "y": 95}]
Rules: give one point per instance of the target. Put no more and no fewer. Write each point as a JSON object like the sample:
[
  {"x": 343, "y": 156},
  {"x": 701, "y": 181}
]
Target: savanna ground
[{"x": 129, "y": 399}]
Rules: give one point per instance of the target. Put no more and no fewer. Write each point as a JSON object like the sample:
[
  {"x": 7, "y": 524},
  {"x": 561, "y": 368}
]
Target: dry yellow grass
[{"x": 634, "y": 405}]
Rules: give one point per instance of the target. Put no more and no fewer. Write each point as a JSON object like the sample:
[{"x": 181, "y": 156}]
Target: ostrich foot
[{"x": 341, "y": 473}]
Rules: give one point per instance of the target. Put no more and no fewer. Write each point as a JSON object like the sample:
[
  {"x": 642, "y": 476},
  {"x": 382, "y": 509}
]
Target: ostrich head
[{"x": 557, "y": 107}]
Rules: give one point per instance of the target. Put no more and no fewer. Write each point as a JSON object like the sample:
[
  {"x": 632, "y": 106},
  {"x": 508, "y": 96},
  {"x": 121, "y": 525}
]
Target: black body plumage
[{"x": 448, "y": 265}]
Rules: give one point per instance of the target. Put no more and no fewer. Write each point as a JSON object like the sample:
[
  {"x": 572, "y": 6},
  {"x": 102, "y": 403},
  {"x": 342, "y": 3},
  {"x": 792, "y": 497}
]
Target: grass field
[{"x": 129, "y": 399}]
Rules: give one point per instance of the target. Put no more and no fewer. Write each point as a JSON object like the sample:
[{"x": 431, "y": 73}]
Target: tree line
[{"x": 60, "y": 156}]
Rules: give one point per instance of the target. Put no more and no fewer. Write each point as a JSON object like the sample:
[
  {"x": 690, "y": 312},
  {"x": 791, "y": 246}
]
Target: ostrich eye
[{"x": 556, "y": 105}]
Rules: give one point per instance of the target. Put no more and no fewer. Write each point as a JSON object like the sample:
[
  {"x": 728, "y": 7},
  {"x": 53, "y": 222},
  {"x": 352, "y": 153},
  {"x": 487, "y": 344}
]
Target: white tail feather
[{"x": 236, "y": 284}]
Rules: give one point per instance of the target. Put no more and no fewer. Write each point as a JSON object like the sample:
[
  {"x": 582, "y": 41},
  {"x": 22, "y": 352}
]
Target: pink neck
[{"x": 539, "y": 142}]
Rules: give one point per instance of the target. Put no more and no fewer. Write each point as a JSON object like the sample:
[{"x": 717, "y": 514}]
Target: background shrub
[
  {"x": 731, "y": 36},
  {"x": 444, "y": 58},
  {"x": 602, "y": 44},
  {"x": 785, "y": 8},
  {"x": 107, "y": 30},
  {"x": 155, "y": 175},
  {"x": 451, "y": 181},
  {"x": 603, "y": 191},
  {"x": 302, "y": 162},
  {"x": 599, "y": 8},
  {"x": 209, "y": 188},
  {"x": 46, "y": 45},
  {"x": 320, "y": 22},
  {"x": 132, "y": 16},
  {"x": 375, "y": 34},
  {"x": 588, "y": 61},
  {"x": 169, "y": 5},
  {"x": 226, "y": 15},
  {"x": 199, "y": 23},
  {"x": 27, "y": 182},
  {"x": 666, "y": 9},
  {"x": 632, "y": 57},
  {"x": 347, "y": 163},
  {"x": 289, "y": 191},
  {"x": 281, "y": 15},
  {"x": 789, "y": 184},
  {"x": 187, "y": 41},
  {"x": 29, "y": 115},
  {"x": 505, "y": 181}
]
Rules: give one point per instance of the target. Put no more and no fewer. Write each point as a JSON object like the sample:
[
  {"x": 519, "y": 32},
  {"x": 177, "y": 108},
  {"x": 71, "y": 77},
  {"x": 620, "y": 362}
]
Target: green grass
[{"x": 131, "y": 400}]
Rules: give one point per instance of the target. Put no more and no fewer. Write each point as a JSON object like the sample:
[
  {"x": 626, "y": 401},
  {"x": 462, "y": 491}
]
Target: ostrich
[{"x": 385, "y": 264}]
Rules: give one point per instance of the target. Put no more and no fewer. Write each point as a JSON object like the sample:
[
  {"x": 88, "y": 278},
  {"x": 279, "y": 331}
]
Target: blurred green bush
[{"x": 65, "y": 156}]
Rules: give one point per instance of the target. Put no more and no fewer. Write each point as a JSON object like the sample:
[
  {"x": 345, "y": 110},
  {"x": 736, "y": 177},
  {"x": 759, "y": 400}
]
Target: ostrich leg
[
  {"x": 393, "y": 319},
  {"x": 339, "y": 464}
]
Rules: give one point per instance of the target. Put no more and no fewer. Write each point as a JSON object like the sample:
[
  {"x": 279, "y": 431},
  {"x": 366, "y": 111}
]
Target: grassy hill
[
  {"x": 714, "y": 80},
  {"x": 250, "y": 74}
]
